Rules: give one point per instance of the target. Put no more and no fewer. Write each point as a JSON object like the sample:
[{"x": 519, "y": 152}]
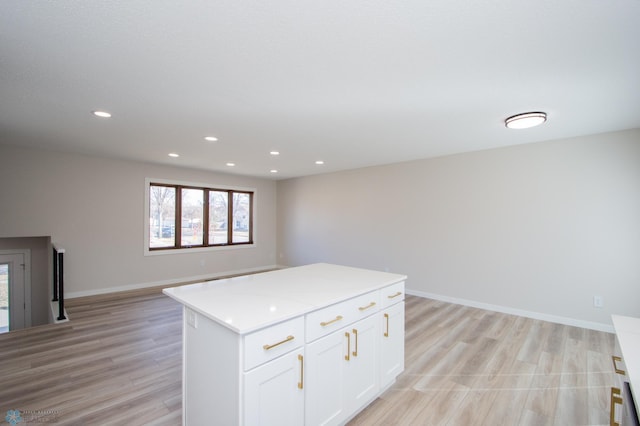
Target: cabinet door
[
  {"x": 392, "y": 343},
  {"x": 343, "y": 372},
  {"x": 274, "y": 392},
  {"x": 362, "y": 382},
  {"x": 325, "y": 375}
]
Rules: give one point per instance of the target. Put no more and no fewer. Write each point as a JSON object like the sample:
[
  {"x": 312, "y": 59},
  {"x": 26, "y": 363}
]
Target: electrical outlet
[
  {"x": 192, "y": 318},
  {"x": 597, "y": 302}
]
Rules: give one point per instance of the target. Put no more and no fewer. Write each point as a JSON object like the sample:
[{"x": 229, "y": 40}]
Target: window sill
[{"x": 148, "y": 252}]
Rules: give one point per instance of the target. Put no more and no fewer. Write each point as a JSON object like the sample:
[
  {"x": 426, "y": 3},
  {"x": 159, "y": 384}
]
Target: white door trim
[{"x": 27, "y": 280}]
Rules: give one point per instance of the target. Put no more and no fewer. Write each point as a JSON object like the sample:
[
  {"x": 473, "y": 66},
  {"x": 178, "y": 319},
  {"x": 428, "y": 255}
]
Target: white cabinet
[
  {"x": 342, "y": 372},
  {"x": 392, "y": 334},
  {"x": 392, "y": 344},
  {"x": 325, "y": 376},
  {"x": 274, "y": 392},
  {"x": 363, "y": 381},
  {"x": 274, "y": 375}
]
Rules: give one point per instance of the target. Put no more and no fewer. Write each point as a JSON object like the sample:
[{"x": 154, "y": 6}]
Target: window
[
  {"x": 185, "y": 216},
  {"x": 191, "y": 217},
  {"x": 218, "y": 212},
  {"x": 162, "y": 219}
]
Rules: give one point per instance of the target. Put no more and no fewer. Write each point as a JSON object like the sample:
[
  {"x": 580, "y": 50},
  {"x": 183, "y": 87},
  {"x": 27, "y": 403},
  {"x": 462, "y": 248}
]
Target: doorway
[{"x": 15, "y": 290}]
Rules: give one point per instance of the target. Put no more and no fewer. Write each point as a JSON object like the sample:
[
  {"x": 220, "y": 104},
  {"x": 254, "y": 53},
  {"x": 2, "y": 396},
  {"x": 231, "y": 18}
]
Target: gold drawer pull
[
  {"x": 355, "y": 333},
  {"x": 616, "y": 399},
  {"x": 288, "y": 339},
  {"x": 348, "y": 336},
  {"x": 386, "y": 317},
  {"x": 301, "y": 382},
  {"x": 395, "y": 295},
  {"x": 370, "y": 305},
  {"x": 336, "y": 319},
  {"x": 615, "y": 359}
]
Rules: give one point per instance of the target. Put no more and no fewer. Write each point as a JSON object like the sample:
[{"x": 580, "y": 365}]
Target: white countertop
[
  {"x": 628, "y": 333},
  {"x": 250, "y": 302}
]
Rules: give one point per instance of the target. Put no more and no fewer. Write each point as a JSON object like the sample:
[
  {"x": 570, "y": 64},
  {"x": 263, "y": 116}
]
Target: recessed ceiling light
[
  {"x": 101, "y": 114},
  {"x": 174, "y": 155},
  {"x": 274, "y": 153},
  {"x": 231, "y": 164},
  {"x": 273, "y": 171},
  {"x": 525, "y": 120},
  {"x": 210, "y": 138},
  {"x": 319, "y": 162}
]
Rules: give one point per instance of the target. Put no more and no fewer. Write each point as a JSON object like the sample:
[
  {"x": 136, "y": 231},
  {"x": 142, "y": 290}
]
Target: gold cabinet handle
[
  {"x": 355, "y": 333},
  {"x": 395, "y": 295},
  {"x": 301, "y": 382},
  {"x": 616, "y": 399},
  {"x": 288, "y": 339},
  {"x": 615, "y": 359},
  {"x": 348, "y": 336},
  {"x": 364, "y": 308},
  {"x": 386, "y": 317},
  {"x": 336, "y": 319}
]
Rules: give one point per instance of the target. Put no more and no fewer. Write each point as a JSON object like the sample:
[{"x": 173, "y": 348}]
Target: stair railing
[{"x": 58, "y": 280}]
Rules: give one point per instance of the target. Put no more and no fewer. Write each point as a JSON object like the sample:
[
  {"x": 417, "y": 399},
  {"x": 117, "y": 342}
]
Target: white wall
[
  {"x": 536, "y": 229},
  {"x": 94, "y": 208}
]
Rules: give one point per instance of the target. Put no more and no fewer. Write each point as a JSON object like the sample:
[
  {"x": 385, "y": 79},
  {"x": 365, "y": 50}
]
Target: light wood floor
[
  {"x": 467, "y": 366},
  {"x": 119, "y": 362}
]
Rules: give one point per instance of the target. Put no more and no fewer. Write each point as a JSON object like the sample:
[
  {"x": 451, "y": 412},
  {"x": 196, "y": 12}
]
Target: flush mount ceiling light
[
  {"x": 319, "y": 162},
  {"x": 231, "y": 164},
  {"x": 210, "y": 139},
  {"x": 101, "y": 114},
  {"x": 174, "y": 155},
  {"x": 525, "y": 120},
  {"x": 274, "y": 153}
]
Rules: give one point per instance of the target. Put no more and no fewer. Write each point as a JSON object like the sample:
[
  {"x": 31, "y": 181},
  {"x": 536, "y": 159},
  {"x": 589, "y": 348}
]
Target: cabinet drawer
[
  {"x": 324, "y": 321},
  {"x": 267, "y": 344},
  {"x": 392, "y": 294}
]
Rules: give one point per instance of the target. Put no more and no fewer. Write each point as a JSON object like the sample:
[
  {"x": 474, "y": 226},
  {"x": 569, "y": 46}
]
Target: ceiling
[{"x": 353, "y": 83}]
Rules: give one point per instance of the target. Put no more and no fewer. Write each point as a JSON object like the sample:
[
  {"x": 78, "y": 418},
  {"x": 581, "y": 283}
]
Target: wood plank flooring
[
  {"x": 119, "y": 361},
  {"x": 467, "y": 366}
]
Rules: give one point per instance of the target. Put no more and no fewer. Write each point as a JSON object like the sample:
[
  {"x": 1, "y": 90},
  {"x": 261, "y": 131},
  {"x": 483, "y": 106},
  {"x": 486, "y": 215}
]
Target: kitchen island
[{"x": 308, "y": 345}]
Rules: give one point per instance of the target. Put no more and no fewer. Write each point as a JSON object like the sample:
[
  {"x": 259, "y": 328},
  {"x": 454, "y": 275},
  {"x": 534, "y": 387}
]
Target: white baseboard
[
  {"x": 519, "y": 312},
  {"x": 170, "y": 282}
]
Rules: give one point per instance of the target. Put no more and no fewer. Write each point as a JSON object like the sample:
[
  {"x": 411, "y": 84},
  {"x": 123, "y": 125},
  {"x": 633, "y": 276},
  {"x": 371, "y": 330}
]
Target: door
[
  {"x": 12, "y": 292},
  {"x": 343, "y": 372},
  {"x": 327, "y": 360},
  {"x": 362, "y": 370},
  {"x": 274, "y": 392},
  {"x": 392, "y": 346}
]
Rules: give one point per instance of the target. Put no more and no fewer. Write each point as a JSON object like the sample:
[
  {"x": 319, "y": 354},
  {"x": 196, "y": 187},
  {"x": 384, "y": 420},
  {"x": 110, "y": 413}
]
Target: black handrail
[{"x": 58, "y": 281}]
